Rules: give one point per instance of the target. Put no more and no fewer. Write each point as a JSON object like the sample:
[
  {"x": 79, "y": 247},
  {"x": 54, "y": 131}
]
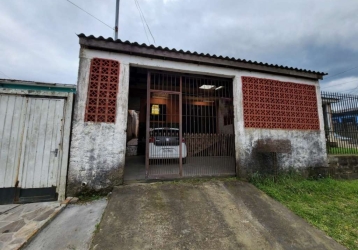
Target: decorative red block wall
[
  {"x": 102, "y": 91},
  {"x": 274, "y": 104}
]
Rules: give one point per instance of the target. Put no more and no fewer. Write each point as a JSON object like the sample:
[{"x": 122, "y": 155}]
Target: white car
[{"x": 164, "y": 144}]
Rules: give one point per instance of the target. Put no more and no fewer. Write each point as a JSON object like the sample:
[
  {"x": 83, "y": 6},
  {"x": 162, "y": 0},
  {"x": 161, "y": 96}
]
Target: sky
[{"x": 38, "y": 40}]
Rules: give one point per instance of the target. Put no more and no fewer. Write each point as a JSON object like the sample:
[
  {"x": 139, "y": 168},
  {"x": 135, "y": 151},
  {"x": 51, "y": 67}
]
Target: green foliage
[
  {"x": 90, "y": 196},
  {"x": 343, "y": 151},
  {"x": 97, "y": 227},
  {"x": 204, "y": 179},
  {"x": 330, "y": 205}
]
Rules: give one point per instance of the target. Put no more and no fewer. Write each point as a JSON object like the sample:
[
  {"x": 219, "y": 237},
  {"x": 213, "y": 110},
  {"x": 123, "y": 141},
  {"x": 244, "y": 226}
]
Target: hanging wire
[
  {"x": 141, "y": 12},
  {"x": 330, "y": 86},
  {"x": 90, "y": 14},
  {"x": 145, "y": 31},
  {"x": 341, "y": 72},
  {"x": 4, "y": 74}
]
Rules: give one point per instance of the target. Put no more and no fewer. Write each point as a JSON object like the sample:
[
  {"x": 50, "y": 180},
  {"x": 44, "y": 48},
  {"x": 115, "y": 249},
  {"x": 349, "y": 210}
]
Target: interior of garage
[{"x": 194, "y": 109}]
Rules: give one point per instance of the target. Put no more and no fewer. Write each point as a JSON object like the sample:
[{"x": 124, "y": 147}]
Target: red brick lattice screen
[
  {"x": 274, "y": 104},
  {"x": 102, "y": 91}
]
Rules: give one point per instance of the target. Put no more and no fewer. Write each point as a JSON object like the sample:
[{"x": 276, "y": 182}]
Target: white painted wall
[
  {"x": 97, "y": 149},
  {"x": 94, "y": 151}
]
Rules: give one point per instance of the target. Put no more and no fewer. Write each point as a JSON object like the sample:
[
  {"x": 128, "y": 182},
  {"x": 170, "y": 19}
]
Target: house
[
  {"x": 35, "y": 124},
  {"x": 347, "y": 117},
  {"x": 199, "y": 115}
]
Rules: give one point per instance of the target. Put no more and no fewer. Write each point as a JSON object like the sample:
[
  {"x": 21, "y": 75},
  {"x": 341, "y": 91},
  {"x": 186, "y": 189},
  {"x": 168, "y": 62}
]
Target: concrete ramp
[{"x": 202, "y": 215}]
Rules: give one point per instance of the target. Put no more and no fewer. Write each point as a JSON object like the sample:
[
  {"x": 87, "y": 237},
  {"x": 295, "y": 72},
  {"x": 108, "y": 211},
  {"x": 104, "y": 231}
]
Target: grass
[
  {"x": 203, "y": 179},
  {"x": 96, "y": 228},
  {"x": 88, "y": 197},
  {"x": 342, "y": 151},
  {"x": 330, "y": 205}
]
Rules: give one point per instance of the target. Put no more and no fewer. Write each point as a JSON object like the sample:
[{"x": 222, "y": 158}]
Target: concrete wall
[
  {"x": 338, "y": 167},
  {"x": 343, "y": 166},
  {"x": 97, "y": 149},
  {"x": 97, "y": 152}
]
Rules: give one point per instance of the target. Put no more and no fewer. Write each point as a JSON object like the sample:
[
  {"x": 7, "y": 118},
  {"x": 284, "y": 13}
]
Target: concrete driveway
[{"x": 206, "y": 215}]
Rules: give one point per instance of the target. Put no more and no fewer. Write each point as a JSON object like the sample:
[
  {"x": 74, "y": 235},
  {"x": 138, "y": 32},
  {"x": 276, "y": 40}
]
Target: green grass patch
[
  {"x": 90, "y": 195},
  {"x": 338, "y": 151},
  {"x": 204, "y": 179},
  {"x": 330, "y": 205}
]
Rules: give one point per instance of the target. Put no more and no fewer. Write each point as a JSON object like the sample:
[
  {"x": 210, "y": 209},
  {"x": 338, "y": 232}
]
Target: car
[{"x": 164, "y": 144}]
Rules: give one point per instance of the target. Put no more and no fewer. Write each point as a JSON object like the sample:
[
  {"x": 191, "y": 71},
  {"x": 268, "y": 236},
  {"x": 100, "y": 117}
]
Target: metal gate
[
  {"x": 189, "y": 126},
  {"x": 30, "y": 148}
]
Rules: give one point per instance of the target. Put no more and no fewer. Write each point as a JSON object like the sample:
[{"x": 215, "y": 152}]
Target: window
[{"x": 102, "y": 91}]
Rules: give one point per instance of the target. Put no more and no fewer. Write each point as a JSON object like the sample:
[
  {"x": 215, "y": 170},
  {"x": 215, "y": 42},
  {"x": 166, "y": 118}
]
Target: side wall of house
[
  {"x": 98, "y": 149},
  {"x": 308, "y": 148}
]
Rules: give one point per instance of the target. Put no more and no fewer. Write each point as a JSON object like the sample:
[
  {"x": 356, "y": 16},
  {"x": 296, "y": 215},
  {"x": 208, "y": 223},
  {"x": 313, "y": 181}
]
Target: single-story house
[{"x": 195, "y": 115}]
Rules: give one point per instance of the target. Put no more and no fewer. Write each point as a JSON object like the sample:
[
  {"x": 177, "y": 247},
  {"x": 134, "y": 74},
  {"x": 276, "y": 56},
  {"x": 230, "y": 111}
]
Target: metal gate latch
[{"x": 55, "y": 151}]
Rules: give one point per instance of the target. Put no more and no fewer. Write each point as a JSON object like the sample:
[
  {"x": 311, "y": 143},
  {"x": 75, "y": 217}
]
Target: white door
[
  {"x": 12, "y": 120},
  {"x": 30, "y": 148},
  {"x": 41, "y": 150}
]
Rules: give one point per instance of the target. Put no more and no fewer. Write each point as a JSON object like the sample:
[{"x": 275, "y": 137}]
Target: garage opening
[{"x": 179, "y": 125}]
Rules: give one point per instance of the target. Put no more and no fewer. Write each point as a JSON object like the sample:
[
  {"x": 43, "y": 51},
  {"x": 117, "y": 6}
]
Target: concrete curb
[{"x": 63, "y": 205}]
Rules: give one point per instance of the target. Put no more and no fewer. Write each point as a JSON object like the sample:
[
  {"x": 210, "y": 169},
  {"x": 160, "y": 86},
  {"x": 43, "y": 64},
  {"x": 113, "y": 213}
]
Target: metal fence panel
[
  {"x": 195, "y": 112},
  {"x": 340, "y": 113}
]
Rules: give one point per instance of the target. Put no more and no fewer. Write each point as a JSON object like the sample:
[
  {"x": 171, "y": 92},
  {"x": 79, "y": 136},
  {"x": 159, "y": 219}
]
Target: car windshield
[{"x": 165, "y": 132}]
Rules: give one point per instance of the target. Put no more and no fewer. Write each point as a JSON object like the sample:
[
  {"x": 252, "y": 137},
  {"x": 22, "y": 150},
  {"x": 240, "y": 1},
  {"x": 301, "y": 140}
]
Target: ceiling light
[
  {"x": 220, "y": 87},
  {"x": 207, "y": 87},
  {"x": 155, "y": 109}
]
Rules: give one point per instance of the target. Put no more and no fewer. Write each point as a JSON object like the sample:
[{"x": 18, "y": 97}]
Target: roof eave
[{"x": 120, "y": 47}]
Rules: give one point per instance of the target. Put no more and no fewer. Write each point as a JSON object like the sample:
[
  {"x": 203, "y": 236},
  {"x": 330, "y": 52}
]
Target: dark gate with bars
[{"x": 189, "y": 126}]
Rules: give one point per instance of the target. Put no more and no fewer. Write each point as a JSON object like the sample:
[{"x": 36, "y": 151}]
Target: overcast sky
[{"x": 38, "y": 38}]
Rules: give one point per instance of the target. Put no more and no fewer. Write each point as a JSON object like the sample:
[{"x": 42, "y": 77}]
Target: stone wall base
[{"x": 338, "y": 167}]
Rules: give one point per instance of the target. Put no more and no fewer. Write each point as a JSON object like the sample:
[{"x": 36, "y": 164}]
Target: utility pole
[{"x": 116, "y": 25}]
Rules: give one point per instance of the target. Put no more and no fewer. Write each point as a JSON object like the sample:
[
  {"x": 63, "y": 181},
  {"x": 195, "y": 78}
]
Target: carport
[{"x": 175, "y": 107}]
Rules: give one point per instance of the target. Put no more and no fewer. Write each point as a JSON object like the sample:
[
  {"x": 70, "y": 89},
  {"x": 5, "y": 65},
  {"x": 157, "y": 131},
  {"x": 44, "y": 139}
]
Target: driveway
[{"x": 202, "y": 215}]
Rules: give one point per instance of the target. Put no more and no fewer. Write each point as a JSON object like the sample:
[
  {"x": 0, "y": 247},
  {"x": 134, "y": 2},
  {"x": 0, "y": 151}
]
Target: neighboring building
[
  {"x": 348, "y": 117},
  {"x": 230, "y": 116},
  {"x": 327, "y": 102},
  {"x": 35, "y": 125}
]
